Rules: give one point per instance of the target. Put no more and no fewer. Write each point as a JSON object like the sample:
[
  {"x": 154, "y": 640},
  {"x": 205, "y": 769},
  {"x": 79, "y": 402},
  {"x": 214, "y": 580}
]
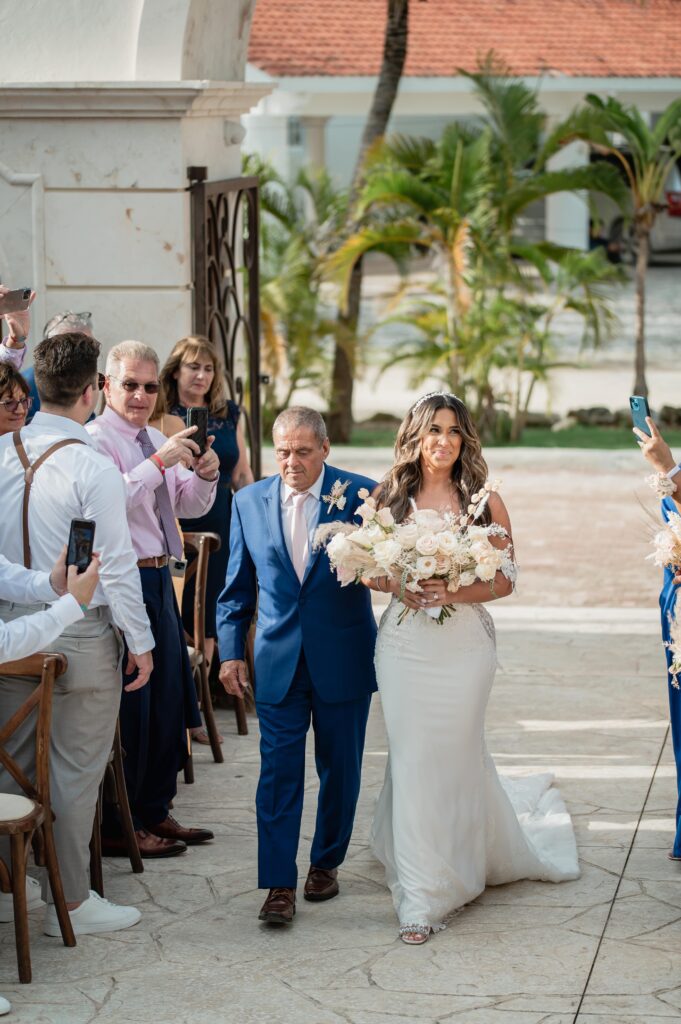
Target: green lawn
[{"x": 539, "y": 437}]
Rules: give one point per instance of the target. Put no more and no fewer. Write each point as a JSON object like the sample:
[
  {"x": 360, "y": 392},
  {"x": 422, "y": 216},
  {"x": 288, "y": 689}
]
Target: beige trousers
[{"x": 84, "y": 712}]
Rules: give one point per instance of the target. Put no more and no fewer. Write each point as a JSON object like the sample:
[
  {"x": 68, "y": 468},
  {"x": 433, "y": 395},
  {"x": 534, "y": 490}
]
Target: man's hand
[
  {"x": 58, "y": 574},
  {"x": 19, "y": 323},
  {"x": 179, "y": 448},
  {"x": 208, "y": 466},
  {"x": 83, "y": 586},
  {"x": 655, "y": 448},
  {"x": 144, "y": 664},
  {"x": 233, "y": 677}
]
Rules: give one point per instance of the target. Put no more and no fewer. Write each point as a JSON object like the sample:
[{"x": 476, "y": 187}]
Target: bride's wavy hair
[{"x": 405, "y": 479}]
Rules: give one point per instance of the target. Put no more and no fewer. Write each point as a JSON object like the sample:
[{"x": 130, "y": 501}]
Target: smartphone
[
  {"x": 16, "y": 301},
  {"x": 639, "y": 410},
  {"x": 81, "y": 543},
  {"x": 197, "y": 417}
]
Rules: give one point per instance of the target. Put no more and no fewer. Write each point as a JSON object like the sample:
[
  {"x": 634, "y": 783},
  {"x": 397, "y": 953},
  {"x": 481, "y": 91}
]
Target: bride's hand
[{"x": 435, "y": 594}]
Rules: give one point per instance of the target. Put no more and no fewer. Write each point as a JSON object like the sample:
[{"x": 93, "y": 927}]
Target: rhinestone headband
[{"x": 432, "y": 394}]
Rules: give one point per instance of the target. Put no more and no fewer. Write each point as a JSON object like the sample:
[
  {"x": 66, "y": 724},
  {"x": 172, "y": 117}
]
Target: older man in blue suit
[{"x": 314, "y": 656}]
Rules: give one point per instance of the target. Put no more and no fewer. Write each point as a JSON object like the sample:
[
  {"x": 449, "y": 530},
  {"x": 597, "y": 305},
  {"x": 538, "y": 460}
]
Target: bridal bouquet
[
  {"x": 429, "y": 545},
  {"x": 667, "y": 554}
]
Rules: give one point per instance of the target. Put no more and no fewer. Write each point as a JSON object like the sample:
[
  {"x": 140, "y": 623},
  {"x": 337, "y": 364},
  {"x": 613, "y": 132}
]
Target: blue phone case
[{"x": 639, "y": 410}]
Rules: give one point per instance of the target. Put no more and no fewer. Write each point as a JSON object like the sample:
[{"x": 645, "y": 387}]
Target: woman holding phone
[
  {"x": 193, "y": 377},
  {"x": 658, "y": 453}
]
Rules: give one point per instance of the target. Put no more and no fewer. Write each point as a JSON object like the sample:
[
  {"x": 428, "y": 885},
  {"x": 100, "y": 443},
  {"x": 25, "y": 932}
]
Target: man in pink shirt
[{"x": 160, "y": 485}]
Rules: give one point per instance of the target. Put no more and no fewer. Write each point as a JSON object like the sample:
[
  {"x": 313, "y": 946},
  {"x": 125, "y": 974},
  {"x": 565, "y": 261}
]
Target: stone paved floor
[{"x": 580, "y": 692}]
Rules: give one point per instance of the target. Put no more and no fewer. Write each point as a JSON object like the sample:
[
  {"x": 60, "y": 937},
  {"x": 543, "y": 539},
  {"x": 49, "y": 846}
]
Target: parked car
[{"x": 666, "y": 234}]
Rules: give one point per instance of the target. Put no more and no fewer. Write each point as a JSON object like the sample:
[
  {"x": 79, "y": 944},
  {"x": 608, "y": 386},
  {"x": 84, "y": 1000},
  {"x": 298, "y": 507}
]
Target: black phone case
[{"x": 198, "y": 417}]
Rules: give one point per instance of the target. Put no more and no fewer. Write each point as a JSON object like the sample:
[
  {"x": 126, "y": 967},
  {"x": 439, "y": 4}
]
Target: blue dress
[
  {"x": 218, "y": 517},
  {"x": 667, "y": 606}
]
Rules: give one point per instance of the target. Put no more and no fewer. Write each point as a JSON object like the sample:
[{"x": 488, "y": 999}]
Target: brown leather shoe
[
  {"x": 321, "y": 884},
  {"x": 171, "y": 829},
  {"x": 279, "y": 907},
  {"x": 147, "y": 844}
]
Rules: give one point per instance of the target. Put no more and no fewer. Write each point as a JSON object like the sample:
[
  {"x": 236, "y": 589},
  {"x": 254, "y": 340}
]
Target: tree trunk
[
  {"x": 643, "y": 240},
  {"x": 339, "y": 419}
]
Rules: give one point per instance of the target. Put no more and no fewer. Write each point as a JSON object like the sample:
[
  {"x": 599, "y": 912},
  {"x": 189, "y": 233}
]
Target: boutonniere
[{"x": 336, "y": 497}]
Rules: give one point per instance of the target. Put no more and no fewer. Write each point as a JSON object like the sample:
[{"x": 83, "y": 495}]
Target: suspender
[{"x": 30, "y": 469}]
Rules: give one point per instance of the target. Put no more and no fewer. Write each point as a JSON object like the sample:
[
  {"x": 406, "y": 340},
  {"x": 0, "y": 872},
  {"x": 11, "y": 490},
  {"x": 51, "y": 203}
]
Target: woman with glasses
[
  {"x": 15, "y": 400},
  {"x": 193, "y": 376}
]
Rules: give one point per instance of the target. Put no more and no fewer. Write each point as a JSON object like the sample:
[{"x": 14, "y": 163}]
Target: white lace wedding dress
[{"x": 446, "y": 825}]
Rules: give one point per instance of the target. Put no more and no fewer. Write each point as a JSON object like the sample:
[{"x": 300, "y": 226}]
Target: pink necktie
[
  {"x": 300, "y": 545},
  {"x": 163, "y": 503}
]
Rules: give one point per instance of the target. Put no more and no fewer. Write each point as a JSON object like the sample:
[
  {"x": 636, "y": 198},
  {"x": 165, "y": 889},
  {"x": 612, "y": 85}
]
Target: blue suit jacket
[{"x": 334, "y": 626}]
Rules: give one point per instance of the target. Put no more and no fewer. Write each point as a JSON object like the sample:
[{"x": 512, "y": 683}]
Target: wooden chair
[
  {"x": 202, "y": 544},
  {"x": 114, "y": 788},
  {"x": 28, "y": 818}
]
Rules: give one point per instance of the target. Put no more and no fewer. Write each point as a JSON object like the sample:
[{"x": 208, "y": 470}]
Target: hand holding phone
[{"x": 81, "y": 543}]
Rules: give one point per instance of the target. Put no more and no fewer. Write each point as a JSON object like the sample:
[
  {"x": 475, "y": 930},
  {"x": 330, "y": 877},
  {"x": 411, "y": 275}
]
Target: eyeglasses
[
  {"x": 152, "y": 387},
  {"x": 77, "y": 319},
  {"x": 12, "y": 404}
]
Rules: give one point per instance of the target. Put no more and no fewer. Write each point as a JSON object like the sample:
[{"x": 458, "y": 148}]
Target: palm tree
[
  {"x": 299, "y": 223},
  {"x": 394, "y": 56},
  {"x": 646, "y": 155}
]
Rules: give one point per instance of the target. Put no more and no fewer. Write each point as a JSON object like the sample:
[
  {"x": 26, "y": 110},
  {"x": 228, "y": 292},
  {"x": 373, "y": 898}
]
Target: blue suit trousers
[{"x": 339, "y": 730}]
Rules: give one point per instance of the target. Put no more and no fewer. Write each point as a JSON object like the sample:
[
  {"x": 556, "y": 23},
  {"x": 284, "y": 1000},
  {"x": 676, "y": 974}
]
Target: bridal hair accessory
[
  {"x": 336, "y": 497},
  {"x": 661, "y": 484},
  {"x": 432, "y": 394}
]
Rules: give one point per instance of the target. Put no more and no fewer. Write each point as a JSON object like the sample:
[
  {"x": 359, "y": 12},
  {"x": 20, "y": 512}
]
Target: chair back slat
[
  {"x": 48, "y": 667},
  {"x": 202, "y": 544}
]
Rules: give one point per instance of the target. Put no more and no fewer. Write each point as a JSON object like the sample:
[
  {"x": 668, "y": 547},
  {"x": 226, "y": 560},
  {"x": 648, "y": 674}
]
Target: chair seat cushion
[{"x": 13, "y": 807}]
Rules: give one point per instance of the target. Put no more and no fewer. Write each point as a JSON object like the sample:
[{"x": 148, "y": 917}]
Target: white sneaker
[
  {"x": 33, "y": 899},
  {"x": 94, "y": 915},
  {"x": 5, "y": 1006}
]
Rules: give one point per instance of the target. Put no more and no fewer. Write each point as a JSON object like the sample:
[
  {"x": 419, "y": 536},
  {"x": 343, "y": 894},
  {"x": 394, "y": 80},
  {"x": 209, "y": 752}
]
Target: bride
[{"x": 446, "y": 825}]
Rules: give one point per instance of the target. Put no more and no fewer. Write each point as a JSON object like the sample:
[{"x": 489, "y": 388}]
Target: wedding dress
[{"x": 446, "y": 825}]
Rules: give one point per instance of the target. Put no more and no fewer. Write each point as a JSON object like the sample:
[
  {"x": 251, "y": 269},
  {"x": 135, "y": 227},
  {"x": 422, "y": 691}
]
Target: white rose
[
  {"x": 361, "y": 537},
  {"x": 336, "y": 546},
  {"x": 429, "y": 519},
  {"x": 362, "y": 493},
  {"x": 447, "y": 542},
  {"x": 407, "y": 534},
  {"x": 467, "y": 579},
  {"x": 426, "y": 566},
  {"x": 486, "y": 571},
  {"x": 366, "y": 511},
  {"x": 427, "y": 544},
  {"x": 385, "y": 517},
  {"x": 386, "y": 553}
]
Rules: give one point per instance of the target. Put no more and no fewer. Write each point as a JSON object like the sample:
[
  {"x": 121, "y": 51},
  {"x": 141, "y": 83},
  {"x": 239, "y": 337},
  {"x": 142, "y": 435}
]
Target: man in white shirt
[
  {"x": 75, "y": 482},
  {"x": 29, "y": 634}
]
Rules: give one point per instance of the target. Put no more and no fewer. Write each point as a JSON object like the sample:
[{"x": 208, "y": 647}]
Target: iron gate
[{"x": 225, "y": 223}]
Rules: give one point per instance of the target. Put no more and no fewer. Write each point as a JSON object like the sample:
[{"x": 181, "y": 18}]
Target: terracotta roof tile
[{"x": 623, "y": 38}]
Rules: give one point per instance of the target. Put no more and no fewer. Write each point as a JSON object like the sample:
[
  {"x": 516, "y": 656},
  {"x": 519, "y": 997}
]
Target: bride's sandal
[{"x": 415, "y": 934}]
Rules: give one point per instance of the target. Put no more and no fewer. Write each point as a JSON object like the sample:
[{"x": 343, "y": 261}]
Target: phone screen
[
  {"x": 639, "y": 410},
  {"x": 81, "y": 543},
  {"x": 197, "y": 417}
]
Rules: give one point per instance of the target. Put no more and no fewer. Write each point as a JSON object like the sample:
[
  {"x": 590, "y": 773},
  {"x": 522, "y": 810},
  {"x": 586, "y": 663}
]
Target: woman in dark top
[{"x": 193, "y": 376}]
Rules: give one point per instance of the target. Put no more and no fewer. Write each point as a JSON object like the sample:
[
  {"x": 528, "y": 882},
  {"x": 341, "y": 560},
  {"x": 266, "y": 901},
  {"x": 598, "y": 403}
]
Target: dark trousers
[
  {"x": 155, "y": 719},
  {"x": 339, "y": 742}
]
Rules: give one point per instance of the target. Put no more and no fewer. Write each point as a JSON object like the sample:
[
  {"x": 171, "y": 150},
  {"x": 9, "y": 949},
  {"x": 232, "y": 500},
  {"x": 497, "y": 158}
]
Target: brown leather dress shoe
[
  {"x": 321, "y": 884},
  {"x": 171, "y": 829},
  {"x": 279, "y": 907},
  {"x": 147, "y": 844}
]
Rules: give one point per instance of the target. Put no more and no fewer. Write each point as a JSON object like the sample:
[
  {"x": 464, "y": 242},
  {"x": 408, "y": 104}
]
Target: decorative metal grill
[{"x": 226, "y": 288}]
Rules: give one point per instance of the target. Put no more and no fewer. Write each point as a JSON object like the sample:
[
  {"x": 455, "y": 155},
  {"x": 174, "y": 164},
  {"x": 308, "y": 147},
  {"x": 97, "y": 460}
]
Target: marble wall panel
[
  {"x": 84, "y": 153},
  {"x": 117, "y": 239}
]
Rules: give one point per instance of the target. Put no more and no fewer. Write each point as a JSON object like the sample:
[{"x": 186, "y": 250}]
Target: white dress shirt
[
  {"x": 310, "y": 508},
  {"x": 15, "y": 356},
  {"x": 32, "y": 633},
  {"x": 74, "y": 483}
]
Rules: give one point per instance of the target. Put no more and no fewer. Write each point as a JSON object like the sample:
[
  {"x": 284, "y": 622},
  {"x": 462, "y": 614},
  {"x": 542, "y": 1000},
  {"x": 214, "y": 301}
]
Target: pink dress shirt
[{"x": 189, "y": 494}]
